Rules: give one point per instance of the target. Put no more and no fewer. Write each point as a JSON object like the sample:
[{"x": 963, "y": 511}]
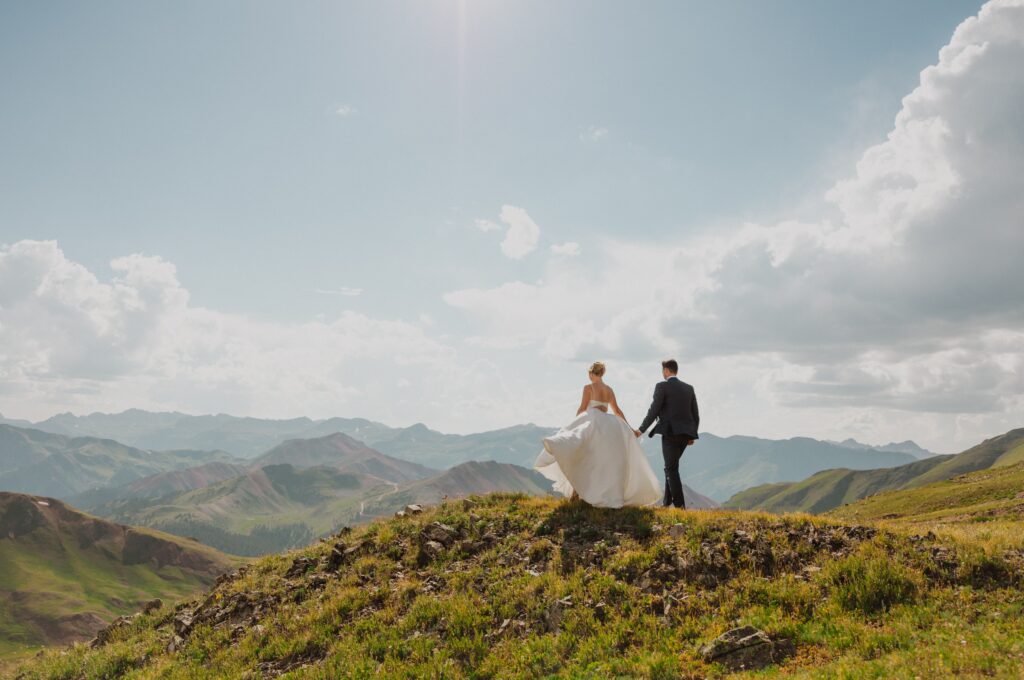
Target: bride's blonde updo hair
[{"x": 597, "y": 368}]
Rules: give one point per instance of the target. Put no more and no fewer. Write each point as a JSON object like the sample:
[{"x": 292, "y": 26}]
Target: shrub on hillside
[{"x": 871, "y": 581}]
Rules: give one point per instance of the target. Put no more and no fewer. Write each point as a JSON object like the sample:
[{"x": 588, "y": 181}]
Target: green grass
[
  {"x": 539, "y": 588},
  {"x": 985, "y": 507}
]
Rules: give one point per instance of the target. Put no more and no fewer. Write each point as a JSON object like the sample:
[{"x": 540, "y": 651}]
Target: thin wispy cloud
[
  {"x": 346, "y": 110},
  {"x": 593, "y": 133},
  {"x": 486, "y": 225},
  {"x": 567, "y": 249}
]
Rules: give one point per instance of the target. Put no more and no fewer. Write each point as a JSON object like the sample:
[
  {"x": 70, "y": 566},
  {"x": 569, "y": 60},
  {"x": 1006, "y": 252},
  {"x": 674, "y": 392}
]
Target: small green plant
[
  {"x": 981, "y": 570},
  {"x": 871, "y": 581}
]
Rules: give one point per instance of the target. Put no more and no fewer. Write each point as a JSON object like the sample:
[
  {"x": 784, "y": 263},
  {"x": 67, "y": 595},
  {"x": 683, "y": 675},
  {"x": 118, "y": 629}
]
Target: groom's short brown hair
[{"x": 671, "y": 365}]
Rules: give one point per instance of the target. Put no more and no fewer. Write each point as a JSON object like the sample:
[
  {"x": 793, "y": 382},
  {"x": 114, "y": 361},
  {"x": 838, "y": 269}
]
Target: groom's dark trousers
[
  {"x": 672, "y": 448},
  {"x": 675, "y": 408}
]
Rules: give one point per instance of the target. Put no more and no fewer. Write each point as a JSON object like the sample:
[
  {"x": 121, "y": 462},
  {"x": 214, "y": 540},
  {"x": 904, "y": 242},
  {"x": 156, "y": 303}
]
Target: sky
[{"x": 444, "y": 211}]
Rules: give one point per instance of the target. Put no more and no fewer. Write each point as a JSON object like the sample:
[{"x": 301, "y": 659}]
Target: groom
[{"x": 675, "y": 408}]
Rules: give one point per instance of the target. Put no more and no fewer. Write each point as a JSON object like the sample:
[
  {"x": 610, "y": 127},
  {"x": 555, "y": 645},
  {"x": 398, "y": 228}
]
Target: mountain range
[
  {"x": 718, "y": 467},
  {"x": 65, "y": 574},
  {"x": 328, "y": 482},
  {"x": 830, "y": 489},
  {"x": 42, "y": 463},
  {"x": 300, "y": 490}
]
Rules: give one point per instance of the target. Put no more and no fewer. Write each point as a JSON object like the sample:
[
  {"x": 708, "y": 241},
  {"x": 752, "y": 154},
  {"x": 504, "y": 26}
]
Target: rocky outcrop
[{"x": 746, "y": 648}]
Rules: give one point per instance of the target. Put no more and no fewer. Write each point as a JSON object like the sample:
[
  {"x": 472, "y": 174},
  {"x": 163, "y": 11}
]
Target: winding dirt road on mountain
[{"x": 362, "y": 504}]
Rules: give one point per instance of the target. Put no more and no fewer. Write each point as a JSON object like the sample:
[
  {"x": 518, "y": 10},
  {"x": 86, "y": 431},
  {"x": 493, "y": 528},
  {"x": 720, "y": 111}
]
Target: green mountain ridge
[
  {"x": 986, "y": 499},
  {"x": 65, "y": 574},
  {"x": 41, "y": 463},
  {"x": 160, "y": 484},
  {"x": 830, "y": 489},
  {"x": 342, "y": 452},
  {"x": 267, "y": 509}
]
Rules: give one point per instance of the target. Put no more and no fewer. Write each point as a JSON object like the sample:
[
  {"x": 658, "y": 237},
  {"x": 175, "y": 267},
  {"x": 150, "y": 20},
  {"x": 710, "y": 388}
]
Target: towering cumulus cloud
[{"x": 905, "y": 294}]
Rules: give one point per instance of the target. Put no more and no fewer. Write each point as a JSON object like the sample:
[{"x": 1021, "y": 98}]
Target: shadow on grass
[{"x": 582, "y": 526}]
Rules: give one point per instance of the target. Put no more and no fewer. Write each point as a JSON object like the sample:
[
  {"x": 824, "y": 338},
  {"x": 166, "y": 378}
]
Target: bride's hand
[{"x": 637, "y": 434}]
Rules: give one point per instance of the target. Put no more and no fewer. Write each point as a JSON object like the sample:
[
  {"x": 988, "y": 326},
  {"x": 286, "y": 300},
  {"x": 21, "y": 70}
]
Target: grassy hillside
[
  {"x": 64, "y": 574},
  {"x": 986, "y": 505},
  {"x": 509, "y": 586},
  {"x": 832, "y": 488}
]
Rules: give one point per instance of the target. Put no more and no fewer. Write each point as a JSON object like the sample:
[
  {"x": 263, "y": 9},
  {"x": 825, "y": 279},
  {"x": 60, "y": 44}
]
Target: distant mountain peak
[{"x": 907, "y": 446}]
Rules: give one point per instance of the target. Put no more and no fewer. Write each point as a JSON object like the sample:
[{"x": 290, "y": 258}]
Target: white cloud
[
  {"x": 568, "y": 249},
  {"x": 346, "y": 291},
  {"x": 522, "y": 235},
  {"x": 593, "y": 133},
  {"x": 486, "y": 225},
  {"x": 521, "y": 232},
  {"x": 905, "y": 298},
  {"x": 346, "y": 110},
  {"x": 71, "y": 341}
]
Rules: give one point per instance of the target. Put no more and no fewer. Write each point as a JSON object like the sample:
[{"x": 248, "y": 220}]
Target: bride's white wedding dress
[{"x": 599, "y": 457}]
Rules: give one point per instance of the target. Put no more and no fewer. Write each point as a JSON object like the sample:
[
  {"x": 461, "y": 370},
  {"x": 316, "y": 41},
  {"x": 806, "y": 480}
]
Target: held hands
[
  {"x": 692, "y": 442},
  {"x": 637, "y": 434}
]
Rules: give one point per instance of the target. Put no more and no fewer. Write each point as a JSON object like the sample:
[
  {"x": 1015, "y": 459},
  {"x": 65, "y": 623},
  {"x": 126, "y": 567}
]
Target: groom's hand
[{"x": 692, "y": 442}]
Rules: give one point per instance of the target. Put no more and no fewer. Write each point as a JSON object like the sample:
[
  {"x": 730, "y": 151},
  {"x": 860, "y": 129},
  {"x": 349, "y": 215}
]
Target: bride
[{"x": 597, "y": 456}]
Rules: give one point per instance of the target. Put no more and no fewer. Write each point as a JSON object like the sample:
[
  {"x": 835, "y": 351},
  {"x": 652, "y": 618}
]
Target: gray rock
[
  {"x": 176, "y": 643},
  {"x": 300, "y": 566},
  {"x": 105, "y": 634},
  {"x": 183, "y": 622},
  {"x": 433, "y": 549},
  {"x": 152, "y": 606},
  {"x": 441, "y": 533},
  {"x": 745, "y": 648},
  {"x": 413, "y": 509},
  {"x": 335, "y": 559},
  {"x": 677, "y": 530}
]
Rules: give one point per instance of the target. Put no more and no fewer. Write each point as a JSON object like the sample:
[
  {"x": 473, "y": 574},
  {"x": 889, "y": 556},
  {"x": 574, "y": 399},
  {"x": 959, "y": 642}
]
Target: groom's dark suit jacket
[{"x": 675, "y": 408}]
